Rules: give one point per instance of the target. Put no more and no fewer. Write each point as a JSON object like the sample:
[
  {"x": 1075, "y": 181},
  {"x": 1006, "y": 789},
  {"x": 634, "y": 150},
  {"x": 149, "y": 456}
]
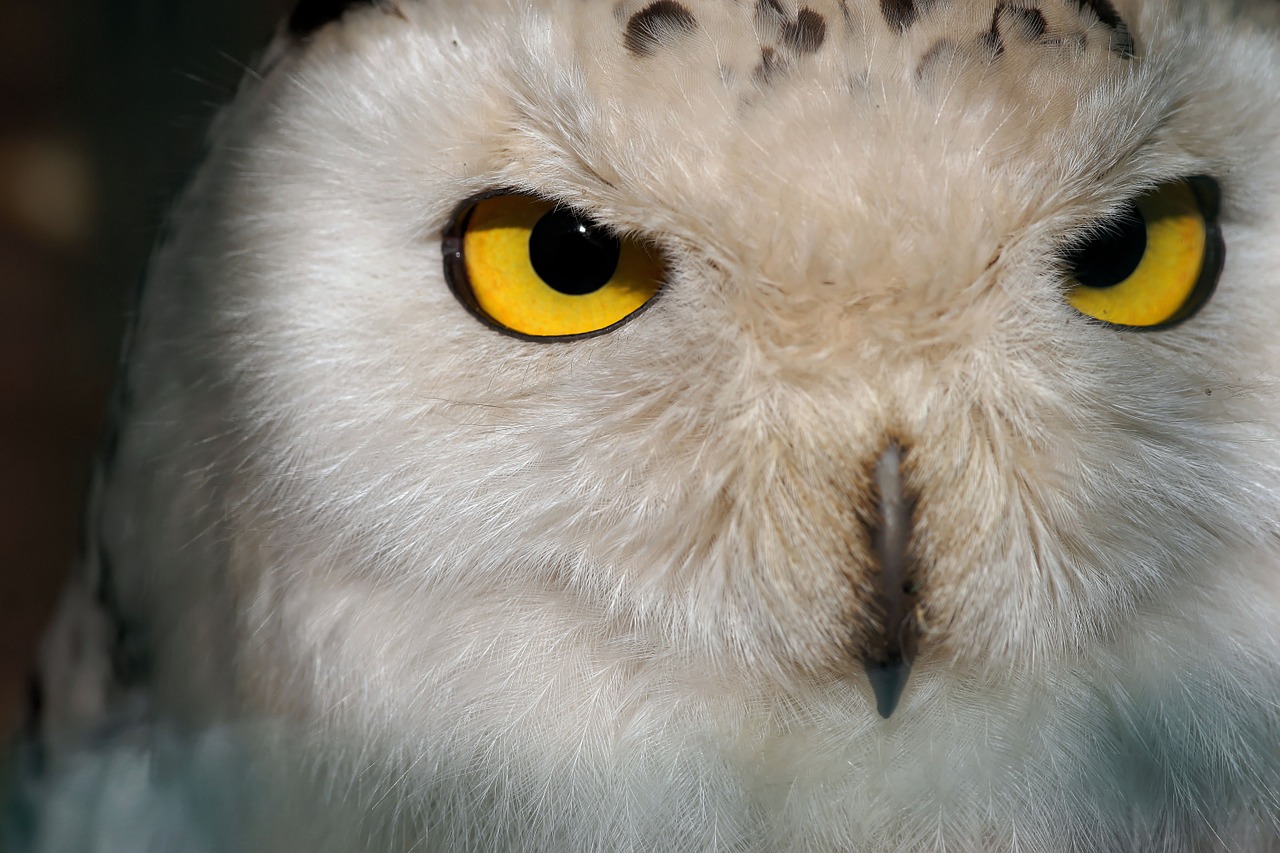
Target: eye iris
[
  {"x": 1113, "y": 255},
  {"x": 573, "y": 256},
  {"x": 541, "y": 270},
  {"x": 1175, "y": 229}
]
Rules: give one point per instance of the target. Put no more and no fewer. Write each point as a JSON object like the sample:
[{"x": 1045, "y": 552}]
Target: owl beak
[
  {"x": 891, "y": 650},
  {"x": 888, "y": 680}
]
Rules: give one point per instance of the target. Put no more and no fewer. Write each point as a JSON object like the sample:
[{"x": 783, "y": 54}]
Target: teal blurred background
[{"x": 102, "y": 107}]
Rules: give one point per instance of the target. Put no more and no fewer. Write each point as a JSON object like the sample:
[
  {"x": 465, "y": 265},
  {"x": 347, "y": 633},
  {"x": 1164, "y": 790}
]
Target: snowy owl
[{"x": 710, "y": 425}]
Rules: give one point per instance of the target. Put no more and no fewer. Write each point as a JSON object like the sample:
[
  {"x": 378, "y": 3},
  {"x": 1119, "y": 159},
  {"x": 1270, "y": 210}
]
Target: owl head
[{"x": 782, "y": 392}]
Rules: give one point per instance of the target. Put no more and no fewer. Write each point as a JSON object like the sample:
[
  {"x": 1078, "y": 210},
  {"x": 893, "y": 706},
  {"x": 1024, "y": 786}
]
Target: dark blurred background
[{"x": 102, "y": 107}]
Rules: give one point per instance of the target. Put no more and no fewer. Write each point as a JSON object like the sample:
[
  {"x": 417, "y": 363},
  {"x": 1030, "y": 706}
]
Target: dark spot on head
[
  {"x": 657, "y": 24},
  {"x": 806, "y": 33},
  {"x": 899, "y": 13},
  {"x": 942, "y": 49},
  {"x": 1106, "y": 12},
  {"x": 1027, "y": 24},
  {"x": 771, "y": 67},
  {"x": 991, "y": 38},
  {"x": 310, "y": 15}
]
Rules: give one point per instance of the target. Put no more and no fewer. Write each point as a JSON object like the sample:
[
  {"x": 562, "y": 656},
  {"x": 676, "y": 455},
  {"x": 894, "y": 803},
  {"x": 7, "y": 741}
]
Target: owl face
[{"x": 661, "y": 371}]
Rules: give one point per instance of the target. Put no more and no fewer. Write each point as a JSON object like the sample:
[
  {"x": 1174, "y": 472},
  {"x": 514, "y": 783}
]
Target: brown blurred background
[{"x": 102, "y": 106}]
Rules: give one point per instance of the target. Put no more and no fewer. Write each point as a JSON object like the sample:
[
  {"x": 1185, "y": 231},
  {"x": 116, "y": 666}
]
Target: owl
[{"x": 713, "y": 425}]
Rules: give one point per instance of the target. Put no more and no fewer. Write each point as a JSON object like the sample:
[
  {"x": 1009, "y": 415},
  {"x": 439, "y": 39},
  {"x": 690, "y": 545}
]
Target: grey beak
[
  {"x": 888, "y": 681},
  {"x": 891, "y": 651}
]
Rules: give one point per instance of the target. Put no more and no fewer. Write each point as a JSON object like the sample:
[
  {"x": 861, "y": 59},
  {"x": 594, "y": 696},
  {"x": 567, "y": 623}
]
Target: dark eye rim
[
  {"x": 1208, "y": 195},
  {"x": 455, "y": 269}
]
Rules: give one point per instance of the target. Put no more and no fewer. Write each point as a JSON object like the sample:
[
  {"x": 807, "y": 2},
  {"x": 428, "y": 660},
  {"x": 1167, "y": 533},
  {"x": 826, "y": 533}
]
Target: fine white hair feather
[{"x": 460, "y": 590}]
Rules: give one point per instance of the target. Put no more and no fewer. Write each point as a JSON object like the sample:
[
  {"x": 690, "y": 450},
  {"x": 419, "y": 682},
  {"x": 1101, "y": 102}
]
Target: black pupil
[
  {"x": 571, "y": 254},
  {"x": 1112, "y": 255}
]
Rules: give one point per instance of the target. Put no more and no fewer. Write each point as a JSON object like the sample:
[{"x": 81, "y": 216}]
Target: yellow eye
[
  {"x": 540, "y": 270},
  {"x": 1156, "y": 263}
]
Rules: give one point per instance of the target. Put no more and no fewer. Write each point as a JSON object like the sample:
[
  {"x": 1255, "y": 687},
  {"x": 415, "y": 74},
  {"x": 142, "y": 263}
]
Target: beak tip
[{"x": 888, "y": 680}]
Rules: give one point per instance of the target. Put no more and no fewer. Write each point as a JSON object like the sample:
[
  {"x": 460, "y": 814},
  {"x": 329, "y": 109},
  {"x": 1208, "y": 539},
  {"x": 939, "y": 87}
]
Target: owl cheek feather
[{"x": 890, "y": 647}]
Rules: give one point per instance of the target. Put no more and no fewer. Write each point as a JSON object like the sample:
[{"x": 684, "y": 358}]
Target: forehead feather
[{"x": 841, "y": 99}]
